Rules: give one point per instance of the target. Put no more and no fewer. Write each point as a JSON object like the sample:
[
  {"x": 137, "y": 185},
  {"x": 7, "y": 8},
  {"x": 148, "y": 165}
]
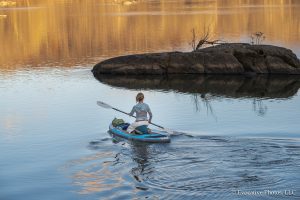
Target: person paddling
[{"x": 141, "y": 109}]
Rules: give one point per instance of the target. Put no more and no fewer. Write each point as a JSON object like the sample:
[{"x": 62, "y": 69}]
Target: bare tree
[{"x": 204, "y": 39}]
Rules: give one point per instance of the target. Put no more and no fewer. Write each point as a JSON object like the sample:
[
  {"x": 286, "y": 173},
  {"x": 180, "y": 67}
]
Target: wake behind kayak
[{"x": 155, "y": 136}]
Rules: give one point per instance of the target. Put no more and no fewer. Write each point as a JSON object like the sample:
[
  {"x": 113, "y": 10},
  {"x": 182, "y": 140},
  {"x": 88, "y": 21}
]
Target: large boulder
[{"x": 232, "y": 58}]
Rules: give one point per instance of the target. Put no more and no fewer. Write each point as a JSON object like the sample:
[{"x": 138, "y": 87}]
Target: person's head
[{"x": 139, "y": 97}]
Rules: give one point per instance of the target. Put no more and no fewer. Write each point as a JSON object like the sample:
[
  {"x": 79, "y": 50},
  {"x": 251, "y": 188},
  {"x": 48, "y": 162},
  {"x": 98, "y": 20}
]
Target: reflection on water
[
  {"x": 259, "y": 107},
  {"x": 189, "y": 167},
  {"x": 67, "y": 33},
  {"x": 49, "y": 116},
  {"x": 261, "y": 87},
  {"x": 203, "y": 88},
  {"x": 95, "y": 181}
]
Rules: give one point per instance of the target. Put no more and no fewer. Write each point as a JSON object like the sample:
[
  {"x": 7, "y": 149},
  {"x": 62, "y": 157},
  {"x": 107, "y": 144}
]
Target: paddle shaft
[{"x": 135, "y": 117}]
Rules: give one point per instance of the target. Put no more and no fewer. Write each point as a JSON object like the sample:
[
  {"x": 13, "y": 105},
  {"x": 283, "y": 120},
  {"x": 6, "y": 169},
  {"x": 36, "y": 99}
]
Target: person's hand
[{"x": 149, "y": 121}]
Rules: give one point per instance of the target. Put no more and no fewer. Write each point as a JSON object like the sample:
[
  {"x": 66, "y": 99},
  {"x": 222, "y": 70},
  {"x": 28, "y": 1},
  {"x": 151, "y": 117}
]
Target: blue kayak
[{"x": 154, "y": 137}]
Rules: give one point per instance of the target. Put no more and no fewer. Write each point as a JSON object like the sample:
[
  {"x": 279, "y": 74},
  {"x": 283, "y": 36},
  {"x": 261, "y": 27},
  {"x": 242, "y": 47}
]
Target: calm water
[{"x": 235, "y": 134}]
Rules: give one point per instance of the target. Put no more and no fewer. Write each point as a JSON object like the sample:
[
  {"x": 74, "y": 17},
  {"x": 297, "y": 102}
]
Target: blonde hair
[{"x": 139, "y": 97}]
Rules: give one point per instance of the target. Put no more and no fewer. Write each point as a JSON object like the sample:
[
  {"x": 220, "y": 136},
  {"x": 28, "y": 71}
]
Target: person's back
[{"x": 141, "y": 109}]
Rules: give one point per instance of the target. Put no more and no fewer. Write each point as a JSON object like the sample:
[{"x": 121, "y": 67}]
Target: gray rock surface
[{"x": 232, "y": 58}]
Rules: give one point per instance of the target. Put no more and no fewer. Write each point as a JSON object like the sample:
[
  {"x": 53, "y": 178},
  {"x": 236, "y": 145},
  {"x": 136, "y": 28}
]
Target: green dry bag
[{"x": 117, "y": 122}]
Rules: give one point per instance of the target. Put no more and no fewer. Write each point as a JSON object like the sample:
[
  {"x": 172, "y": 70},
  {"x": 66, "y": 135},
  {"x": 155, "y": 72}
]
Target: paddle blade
[
  {"x": 103, "y": 105},
  {"x": 170, "y": 132}
]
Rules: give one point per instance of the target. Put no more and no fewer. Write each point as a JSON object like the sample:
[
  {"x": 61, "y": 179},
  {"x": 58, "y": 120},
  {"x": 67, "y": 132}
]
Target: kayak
[{"x": 155, "y": 136}]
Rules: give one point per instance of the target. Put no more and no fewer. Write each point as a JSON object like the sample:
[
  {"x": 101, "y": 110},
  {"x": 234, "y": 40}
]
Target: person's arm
[
  {"x": 132, "y": 111},
  {"x": 150, "y": 114}
]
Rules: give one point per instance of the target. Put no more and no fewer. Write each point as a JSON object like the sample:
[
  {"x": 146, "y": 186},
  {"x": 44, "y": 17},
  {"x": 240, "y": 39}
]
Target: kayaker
[{"x": 141, "y": 109}]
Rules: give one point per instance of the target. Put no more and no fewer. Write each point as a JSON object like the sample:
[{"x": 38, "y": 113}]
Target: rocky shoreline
[{"x": 231, "y": 58}]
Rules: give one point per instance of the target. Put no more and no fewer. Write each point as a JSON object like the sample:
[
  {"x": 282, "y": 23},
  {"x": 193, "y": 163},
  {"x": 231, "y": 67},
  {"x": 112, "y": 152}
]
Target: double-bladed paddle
[{"x": 105, "y": 105}]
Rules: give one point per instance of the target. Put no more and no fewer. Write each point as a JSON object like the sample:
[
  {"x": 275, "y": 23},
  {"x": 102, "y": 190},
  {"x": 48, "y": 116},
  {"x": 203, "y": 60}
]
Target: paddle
[{"x": 105, "y": 105}]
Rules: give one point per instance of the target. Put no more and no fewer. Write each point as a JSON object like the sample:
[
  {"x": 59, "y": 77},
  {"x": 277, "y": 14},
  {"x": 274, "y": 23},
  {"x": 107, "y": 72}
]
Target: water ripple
[{"x": 203, "y": 167}]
